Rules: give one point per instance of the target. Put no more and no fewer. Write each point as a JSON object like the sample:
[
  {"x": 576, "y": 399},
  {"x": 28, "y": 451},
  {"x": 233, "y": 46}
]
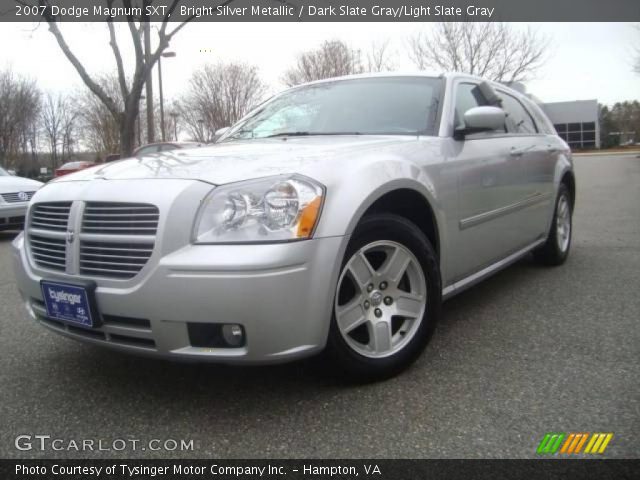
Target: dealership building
[{"x": 576, "y": 122}]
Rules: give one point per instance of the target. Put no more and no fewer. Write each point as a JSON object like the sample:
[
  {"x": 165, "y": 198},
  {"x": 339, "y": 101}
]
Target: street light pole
[{"x": 166, "y": 55}]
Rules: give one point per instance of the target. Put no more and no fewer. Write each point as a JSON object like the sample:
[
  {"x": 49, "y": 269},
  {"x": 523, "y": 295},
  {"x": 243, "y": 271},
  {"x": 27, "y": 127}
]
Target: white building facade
[{"x": 576, "y": 122}]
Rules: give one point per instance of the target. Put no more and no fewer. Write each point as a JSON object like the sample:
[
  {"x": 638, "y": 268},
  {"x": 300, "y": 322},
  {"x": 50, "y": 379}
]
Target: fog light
[{"x": 233, "y": 335}]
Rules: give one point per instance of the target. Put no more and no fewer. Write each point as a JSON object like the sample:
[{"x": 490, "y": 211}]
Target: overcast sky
[{"x": 586, "y": 60}]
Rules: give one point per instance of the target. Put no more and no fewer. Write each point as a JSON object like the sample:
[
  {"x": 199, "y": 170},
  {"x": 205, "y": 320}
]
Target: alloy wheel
[{"x": 381, "y": 299}]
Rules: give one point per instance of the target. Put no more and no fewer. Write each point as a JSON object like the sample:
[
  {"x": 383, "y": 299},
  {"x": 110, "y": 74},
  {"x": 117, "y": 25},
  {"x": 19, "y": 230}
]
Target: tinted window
[
  {"x": 518, "y": 119},
  {"x": 467, "y": 96},
  {"x": 543, "y": 123},
  {"x": 391, "y": 105},
  {"x": 148, "y": 150},
  {"x": 166, "y": 147}
]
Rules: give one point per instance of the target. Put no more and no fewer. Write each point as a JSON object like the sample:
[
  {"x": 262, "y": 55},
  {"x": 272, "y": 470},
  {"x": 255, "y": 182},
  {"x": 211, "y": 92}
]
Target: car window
[
  {"x": 167, "y": 146},
  {"x": 3, "y": 173},
  {"x": 468, "y": 96},
  {"x": 518, "y": 120},
  {"x": 373, "y": 106},
  {"x": 542, "y": 122},
  {"x": 71, "y": 165},
  {"x": 148, "y": 149}
]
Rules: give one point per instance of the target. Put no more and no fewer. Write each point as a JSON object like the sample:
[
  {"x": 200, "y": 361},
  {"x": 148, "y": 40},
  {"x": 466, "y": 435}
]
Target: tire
[
  {"x": 556, "y": 249},
  {"x": 387, "y": 300}
]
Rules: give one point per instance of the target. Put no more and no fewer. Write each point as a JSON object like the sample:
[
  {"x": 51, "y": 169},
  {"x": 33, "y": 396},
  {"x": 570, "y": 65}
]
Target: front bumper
[
  {"x": 12, "y": 214},
  {"x": 282, "y": 294}
]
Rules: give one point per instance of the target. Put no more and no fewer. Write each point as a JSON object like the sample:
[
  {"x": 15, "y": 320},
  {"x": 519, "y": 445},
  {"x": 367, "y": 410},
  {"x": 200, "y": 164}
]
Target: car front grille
[
  {"x": 14, "y": 197},
  {"x": 115, "y": 240},
  {"x": 48, "y": 253},
  {"x": 113, "y": 259},
  {"x": 51, "y": 216},
  {"x": 120, "y": 218}
]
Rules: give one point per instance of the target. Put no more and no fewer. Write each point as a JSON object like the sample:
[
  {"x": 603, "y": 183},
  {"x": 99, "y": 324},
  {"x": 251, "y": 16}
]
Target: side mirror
[{"x": 481, "y": 119}]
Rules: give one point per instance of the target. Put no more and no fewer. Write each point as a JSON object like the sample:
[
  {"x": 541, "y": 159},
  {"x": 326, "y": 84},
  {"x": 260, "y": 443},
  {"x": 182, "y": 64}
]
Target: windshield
[
  {"x": 3, "y": 173},
  {"x": 369, "y": 106}
]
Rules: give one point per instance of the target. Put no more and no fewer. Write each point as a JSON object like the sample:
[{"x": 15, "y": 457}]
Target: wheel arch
[
  {"x": 412, "y": 205},
  {"x": 568, "y": 179}
]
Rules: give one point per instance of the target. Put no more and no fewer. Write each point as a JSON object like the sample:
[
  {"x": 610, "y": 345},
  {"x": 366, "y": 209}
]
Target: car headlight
[{"x": 272, "y": 209}]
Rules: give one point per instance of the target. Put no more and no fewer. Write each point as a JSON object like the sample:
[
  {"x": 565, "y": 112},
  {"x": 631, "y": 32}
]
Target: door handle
[
  {"x": 517, "y": 152},
  {"x": 551, "y": 149}
]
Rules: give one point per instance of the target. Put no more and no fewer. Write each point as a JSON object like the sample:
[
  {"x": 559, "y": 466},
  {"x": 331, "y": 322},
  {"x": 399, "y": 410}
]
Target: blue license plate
[{"x": 69, "y": 303}]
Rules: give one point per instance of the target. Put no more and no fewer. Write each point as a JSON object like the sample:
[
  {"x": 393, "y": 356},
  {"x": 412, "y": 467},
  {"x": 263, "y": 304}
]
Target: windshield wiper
[{"x": 309, "y": 134}]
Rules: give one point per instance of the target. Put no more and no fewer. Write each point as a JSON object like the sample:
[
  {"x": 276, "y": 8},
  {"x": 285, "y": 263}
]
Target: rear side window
[
  {"x": 519, "y": 120},
  {"x": 542, "y": 122}
]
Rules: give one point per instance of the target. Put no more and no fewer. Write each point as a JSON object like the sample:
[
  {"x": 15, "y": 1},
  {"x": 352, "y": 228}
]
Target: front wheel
[
  {"x": 556, "y": 249},
  {"x": 387, "y": 299}
]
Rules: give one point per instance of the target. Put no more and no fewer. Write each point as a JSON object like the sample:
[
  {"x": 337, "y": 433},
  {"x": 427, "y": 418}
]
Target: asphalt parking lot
[{"x": 530, "y": 351}]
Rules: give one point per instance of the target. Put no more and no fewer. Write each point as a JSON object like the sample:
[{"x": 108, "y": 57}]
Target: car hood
[
  {"x": 18, "y": 184},
  {"x": 241, "y": 160}
]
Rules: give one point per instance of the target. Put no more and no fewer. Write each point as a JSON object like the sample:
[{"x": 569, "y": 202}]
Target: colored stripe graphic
[
  {"x": 550, "y": 443},
  {"x": 598, "y": 443},
  {"x": 573, "y": 442}
]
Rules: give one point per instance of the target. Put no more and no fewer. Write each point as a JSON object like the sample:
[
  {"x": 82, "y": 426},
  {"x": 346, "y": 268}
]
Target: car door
[
  {"x": 487, "y": 174},
  {"x": 531, "y": 152}
]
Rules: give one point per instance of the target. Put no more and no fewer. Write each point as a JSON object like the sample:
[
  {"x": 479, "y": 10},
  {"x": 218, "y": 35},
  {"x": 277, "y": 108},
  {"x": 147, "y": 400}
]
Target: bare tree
[
  {"x": 58, "y": 120},
  {"x": 125, "y": 114},
  {"x": 379, "y": 57},
  {"x": 490, "y": 50},
  {"x": 218, "y": 95},
  {"x": 331, "y": 59},
  {"x": 100, "y": 130},
  {"x": 19, "y": 106}
]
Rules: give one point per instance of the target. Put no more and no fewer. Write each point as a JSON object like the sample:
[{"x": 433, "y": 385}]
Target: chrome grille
[
  {"x": 115, "y": 240},
  {"x": 15, "y": 198},
  {"x": 120, "y": 218},
  {"x": 113, "y": 259},
  {"x": 47, "y": 252},
  {"x": 50, "y": 216}
]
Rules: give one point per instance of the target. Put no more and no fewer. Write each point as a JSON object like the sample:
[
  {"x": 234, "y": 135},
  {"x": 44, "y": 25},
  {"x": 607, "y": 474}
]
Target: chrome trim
[
  {"x": 537, "y": 197},
  {"x": 74, "y": 224},
  {"x": 474, "y": 278}
]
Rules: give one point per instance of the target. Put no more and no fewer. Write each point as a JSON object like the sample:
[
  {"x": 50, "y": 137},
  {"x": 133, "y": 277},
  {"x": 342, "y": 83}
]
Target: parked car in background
[
  {"x": 71, "y": 167},
  {"x": 335, "y": 217},
  {"x": 15, "y": 193},
  {"x": 163, "y": 147}
]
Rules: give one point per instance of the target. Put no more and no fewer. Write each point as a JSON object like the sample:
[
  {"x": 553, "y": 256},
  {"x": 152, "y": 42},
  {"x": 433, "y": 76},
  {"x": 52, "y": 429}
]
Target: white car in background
[{"x": 15, "y": 193}]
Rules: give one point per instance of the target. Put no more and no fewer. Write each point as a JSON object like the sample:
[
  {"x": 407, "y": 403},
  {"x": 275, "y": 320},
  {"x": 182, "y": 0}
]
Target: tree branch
[
  {"x": 116, "y": 53},
  {"x": 93, "y": 86}
]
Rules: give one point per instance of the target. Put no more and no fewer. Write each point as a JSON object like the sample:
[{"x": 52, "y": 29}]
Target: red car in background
[{"x": 71, "y": 167}]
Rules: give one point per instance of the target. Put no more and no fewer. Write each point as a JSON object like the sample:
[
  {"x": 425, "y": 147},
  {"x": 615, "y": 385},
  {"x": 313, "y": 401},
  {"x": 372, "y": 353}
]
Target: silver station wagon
[{"x": 335, "y": 218}]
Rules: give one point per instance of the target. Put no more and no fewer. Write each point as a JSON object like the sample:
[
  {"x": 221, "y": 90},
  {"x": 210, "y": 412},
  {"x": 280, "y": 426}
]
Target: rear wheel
[
  {"x": 556, "y": 249},
  {"x": 387, "y": 300}
]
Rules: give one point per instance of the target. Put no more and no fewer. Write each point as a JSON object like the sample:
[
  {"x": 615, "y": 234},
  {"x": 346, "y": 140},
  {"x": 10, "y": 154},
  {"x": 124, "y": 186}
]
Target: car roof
[{"x": 409, "y": 73}]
